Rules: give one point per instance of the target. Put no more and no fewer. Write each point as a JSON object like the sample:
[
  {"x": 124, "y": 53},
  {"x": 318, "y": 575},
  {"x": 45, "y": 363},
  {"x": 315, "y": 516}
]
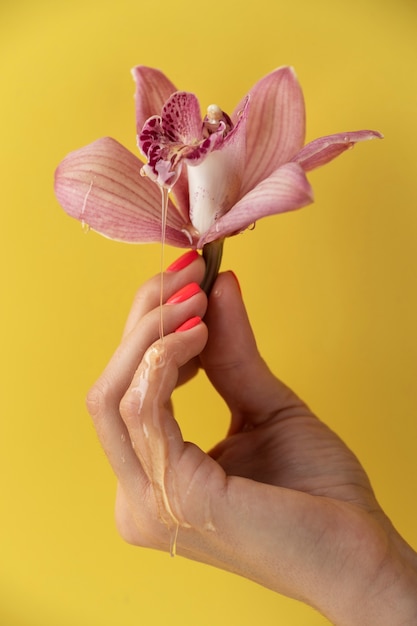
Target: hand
[{"x": 281, "y": 500}]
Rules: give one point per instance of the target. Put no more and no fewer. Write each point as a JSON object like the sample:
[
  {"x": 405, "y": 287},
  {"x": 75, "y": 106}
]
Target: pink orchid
[{"x": 223, "y": 173}]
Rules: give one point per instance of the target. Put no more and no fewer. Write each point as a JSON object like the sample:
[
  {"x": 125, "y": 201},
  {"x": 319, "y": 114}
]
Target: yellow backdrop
[{"x": 331, "y": 289}]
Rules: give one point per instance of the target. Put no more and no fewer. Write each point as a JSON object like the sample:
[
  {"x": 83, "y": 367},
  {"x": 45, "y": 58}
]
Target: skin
[{"x": 281, "y": 500}]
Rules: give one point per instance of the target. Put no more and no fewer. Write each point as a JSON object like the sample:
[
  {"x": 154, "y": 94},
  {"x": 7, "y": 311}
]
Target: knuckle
[
  {"x": 98, "y": 398},
  {"x": 146, "y": 294},
  {"x": 128, "y": 407}
]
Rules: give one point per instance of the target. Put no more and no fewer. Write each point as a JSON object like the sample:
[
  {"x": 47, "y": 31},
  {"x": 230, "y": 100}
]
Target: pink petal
[
  {"x": 153, "y": 88},
  {"x": 284, "y": 190},
  {"x": 101, "y": 186},
  {"x": 276, "y": 124},
  {"x": 321, "y": 151}
]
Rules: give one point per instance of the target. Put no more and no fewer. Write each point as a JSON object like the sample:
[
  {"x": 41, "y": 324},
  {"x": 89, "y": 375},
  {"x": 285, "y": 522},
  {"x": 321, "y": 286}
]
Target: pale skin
[{"x": 281, "y": 500}]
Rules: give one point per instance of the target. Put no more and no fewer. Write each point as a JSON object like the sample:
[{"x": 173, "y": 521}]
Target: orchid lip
[{"x": 178, "y": 136}]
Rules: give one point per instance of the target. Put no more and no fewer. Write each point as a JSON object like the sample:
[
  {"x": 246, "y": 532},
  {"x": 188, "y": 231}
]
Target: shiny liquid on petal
[{"x": 84, "y": 225}]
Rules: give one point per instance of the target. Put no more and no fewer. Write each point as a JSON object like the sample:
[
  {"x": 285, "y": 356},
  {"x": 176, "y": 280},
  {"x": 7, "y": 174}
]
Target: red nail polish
[
  {"x": 183, "y": 261},
  {"x": 193, "y": 321},
  {"x": 184, "y": 293},
  {"x": 236, "y": 279}
]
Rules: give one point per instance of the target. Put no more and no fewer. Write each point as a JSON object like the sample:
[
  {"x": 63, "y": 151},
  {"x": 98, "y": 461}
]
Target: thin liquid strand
[
  {"x": 173, "y": 540},
  {"x": 164, "y": 211}
]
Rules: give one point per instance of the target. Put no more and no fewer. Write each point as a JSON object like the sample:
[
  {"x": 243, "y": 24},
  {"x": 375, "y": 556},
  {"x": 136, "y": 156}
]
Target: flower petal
[
  {"x": 284, "y": 190},
  {"x": 276, "y": 124},
  {"x": 325, "y": 149},
  {"x": 100, "y": 185},
  {"x": 153, "y": 88}
]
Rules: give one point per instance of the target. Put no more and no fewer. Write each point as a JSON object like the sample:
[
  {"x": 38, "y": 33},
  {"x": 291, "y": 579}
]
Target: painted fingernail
[
  {"x": 184, "y": 293},
  {"x": 193, "y": 321},
  {"x": 236, "y": 279},
  {"x": 183, "y": 261}
]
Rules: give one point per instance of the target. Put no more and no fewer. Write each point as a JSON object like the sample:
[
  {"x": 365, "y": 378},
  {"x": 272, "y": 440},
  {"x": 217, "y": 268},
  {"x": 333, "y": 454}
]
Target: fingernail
[
  {"x": 193, "y": 321},
  {"x": 183, "y": 261},
  {"x": 236, "y": 279},
  {"x": 184, "y": 293}
]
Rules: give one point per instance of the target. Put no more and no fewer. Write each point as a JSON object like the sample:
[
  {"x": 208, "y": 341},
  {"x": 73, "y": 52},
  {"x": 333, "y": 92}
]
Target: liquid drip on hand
[{"x": 164, "y": 212}]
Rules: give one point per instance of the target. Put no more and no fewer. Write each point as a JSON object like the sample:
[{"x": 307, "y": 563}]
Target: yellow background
[{"x": 331, "y": 289}]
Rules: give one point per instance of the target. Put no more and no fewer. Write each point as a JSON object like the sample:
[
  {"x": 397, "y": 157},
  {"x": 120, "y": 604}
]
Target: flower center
[
  {"x": 212, "y": 150},
  {"x": 214, "y": 117},
  {"x": 179, "y": 136}
]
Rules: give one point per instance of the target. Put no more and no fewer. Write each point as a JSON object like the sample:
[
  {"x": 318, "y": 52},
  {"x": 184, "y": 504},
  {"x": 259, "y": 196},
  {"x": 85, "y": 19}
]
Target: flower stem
[{"x": 212, "y": 254}]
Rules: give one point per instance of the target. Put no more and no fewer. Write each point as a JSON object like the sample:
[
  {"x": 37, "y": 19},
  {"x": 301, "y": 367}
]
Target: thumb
[
  {"x": 231, "y": 341},
  {"x": 232, "y": 361}
]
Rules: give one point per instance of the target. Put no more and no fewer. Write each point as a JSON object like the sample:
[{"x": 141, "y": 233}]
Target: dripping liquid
[
  {"x": 173, "y": 540},
  {"x": 173, "y": 526},
  {"x": 164, "y": 211}
]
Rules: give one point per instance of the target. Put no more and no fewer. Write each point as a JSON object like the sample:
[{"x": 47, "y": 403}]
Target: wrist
[{"x": 386, "y": 597}]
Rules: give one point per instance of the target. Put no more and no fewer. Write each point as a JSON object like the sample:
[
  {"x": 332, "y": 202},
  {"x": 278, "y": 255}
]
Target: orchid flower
[{"x": 218, "y": 175}]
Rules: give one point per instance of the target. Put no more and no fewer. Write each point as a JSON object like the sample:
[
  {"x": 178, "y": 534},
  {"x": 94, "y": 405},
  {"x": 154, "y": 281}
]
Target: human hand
[{"x": 280, "y": 500}]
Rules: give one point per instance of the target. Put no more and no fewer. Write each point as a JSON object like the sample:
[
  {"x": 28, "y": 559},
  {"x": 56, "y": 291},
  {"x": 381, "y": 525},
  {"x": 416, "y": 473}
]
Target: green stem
[{"x": 212, "y": 254}]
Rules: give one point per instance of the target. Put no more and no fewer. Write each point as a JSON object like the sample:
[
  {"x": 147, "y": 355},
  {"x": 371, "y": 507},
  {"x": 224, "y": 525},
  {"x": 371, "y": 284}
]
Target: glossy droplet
[{"x": 84, "y": 225}]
